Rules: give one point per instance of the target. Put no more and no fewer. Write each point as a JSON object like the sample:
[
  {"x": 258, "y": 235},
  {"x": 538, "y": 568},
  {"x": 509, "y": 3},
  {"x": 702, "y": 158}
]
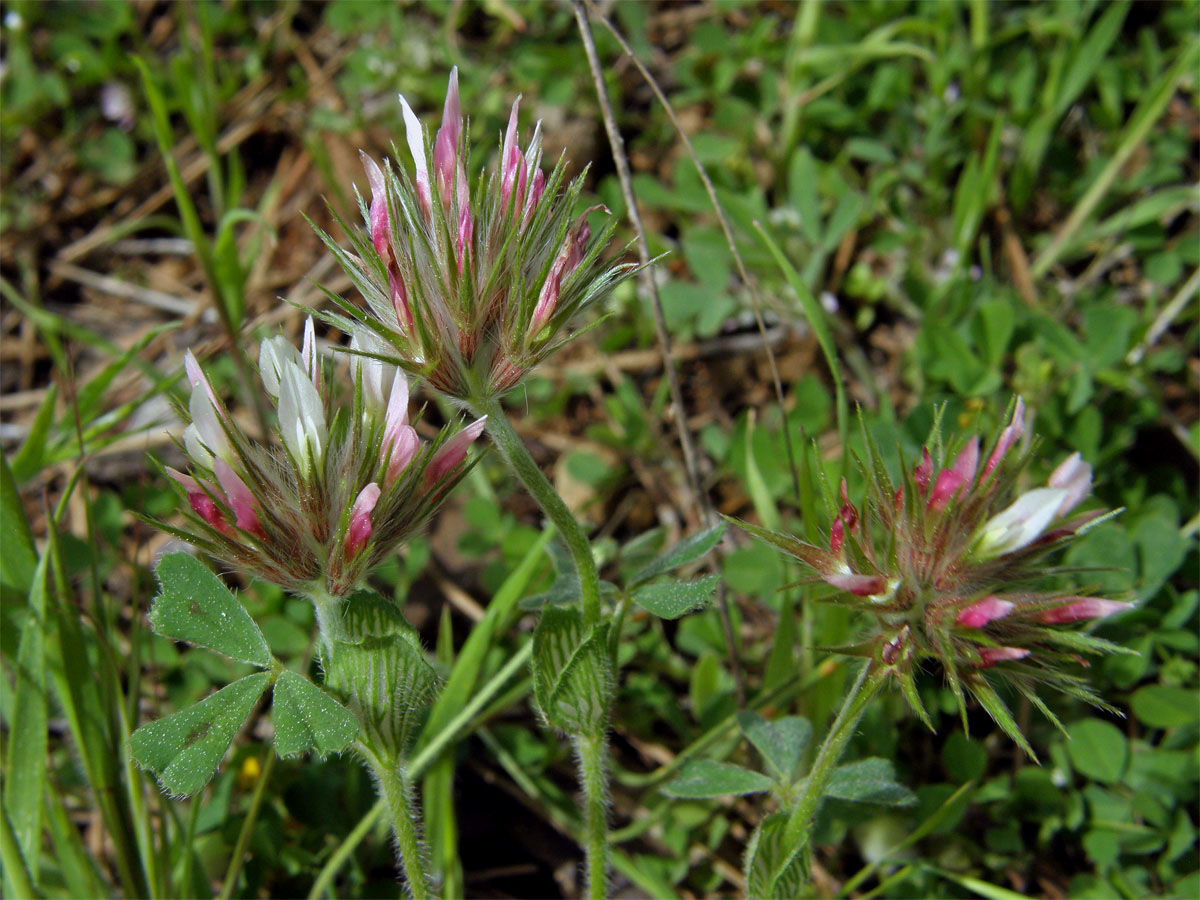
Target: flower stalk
[
  {"x": 590, "y": 748},
  {"x": 397, "y": 790}
]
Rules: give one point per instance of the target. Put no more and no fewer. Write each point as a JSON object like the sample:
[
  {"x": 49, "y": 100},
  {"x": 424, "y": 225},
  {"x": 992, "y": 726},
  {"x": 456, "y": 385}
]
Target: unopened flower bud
[
  {"x": 989, "y": 656},
  {"x": 241, "y": 501},
  {"x": 1076, "y": 609},
  {"x": 451, "y": 456},
  {"x": 1009, "y": 436},
  {"x": 358, "y": 533},
  {"x": 986, "y": 610},
  {"x": 951, "y": 481}
]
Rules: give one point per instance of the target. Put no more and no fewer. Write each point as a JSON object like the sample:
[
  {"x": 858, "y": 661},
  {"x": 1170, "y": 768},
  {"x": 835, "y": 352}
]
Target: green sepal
[
  {"x": 908, "y": 688},
  {"x": 378, "y": 668},
  {"x": 184, "y": 749},
  {"x": 307, "y": 718},
  {"x": 194, "y": 606},
  {"x": 990, "y": 700},
  {"x": 572, "y": 671},
  {"x": 705, "y": 778},
  {"x": 773, "y": 868},
  {"x": 781, "y": 741}
]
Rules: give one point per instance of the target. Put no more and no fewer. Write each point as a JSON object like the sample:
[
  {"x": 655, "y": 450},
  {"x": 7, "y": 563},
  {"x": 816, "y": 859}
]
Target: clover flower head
[
  {"x": 471, "y": 283},
  {"x": 345, "y": 486},
  {"x": 948, "y": 564}
]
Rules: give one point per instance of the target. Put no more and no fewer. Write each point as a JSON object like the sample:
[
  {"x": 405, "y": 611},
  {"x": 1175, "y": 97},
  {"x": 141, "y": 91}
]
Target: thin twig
[
  {"x": 660, "y": 322},
  {"x": 755, "y": 305}
]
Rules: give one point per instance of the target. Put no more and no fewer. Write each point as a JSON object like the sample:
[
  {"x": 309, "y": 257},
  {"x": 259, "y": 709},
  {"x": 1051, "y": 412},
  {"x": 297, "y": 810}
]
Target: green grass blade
[
  {"x": 816, "y": 320},
  {"x": 28, "y": 740},
  {"x": 19, "y": 560},
  {"x": 1136, "y": 129}
]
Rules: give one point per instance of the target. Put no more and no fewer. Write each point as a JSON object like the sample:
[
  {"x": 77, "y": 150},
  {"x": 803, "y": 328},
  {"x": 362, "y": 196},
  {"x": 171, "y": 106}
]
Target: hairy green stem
[
  {"x": 868, "y": 683},
  {"x": 396, "y": 788},
  {"x": 592, "y": 750},
  {"x": 513, "y": 449}
]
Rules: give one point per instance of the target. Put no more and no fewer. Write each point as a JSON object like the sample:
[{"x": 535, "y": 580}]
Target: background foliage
[{"x": 986, "y": 199}]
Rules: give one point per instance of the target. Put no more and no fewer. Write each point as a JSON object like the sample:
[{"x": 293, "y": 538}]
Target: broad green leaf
[
  {"x": 196, "y": 607},
  {"x": 775, "y": 868},
  {"x": 184, "y": 749},
  {"x": 690, "y": 548},
  {"x": 802, "y": 191},
  {"x": 19, "y": 557},
  {"x": 1098, "y": 750},
  {"x": 572, "y": 677},
  {"x": 781, "y": 742},
  {"x": 1160, "y": 706},
  {"x": 672, "y": 599},
  {"x": 25, "y": 766},
  {"x": 306, "y": 718},
  {"x": 868, "y": 781},
  {"x": 707, "y": 778}
]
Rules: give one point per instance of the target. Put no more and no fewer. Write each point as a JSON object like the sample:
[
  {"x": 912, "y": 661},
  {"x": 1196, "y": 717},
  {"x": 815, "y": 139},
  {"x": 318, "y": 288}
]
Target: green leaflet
[
  {"x": 572, "y": 675},
  {"x": 690, "y": 548},
  {"x": 702, "y": 778},
  {"x": 781, "y": 742},
  {"x": 870, "y": 780},
  {"x": 194, "y": 606},
  {"x": 307, "y": 718},
  {"x": 672, "y": 599},
  {"x": 184, "y": 749}
]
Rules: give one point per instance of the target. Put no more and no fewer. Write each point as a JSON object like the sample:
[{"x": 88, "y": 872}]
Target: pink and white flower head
[
  {"x": 947, "y": 562},
  {"x": 337, "y": 492},
  {"x": 471, "y": 283}
]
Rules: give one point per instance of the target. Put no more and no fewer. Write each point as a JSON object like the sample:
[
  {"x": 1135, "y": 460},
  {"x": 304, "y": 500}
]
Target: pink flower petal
[
  {"x": 201, "y": 504},
  {"x": 951, "y": 481},
  {"x": 1074, "y": 476},
  {"x": 378, "y": 212},
  {"x": 923, "y": 472}
]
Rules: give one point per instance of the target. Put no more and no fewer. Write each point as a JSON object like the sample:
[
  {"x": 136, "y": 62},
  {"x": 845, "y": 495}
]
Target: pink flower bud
[
  {"x": 201, "y": 504},
  {"x": 445, "y": 146},
  {"x": 400, "y": 441},
  {"x": 399, "y": 300},
  {"x": 1009, "y": 436},
  {"x": 837, "y": 536},
  {"x": 241, "y": 501},
  {"x": 989, "y": 656},
  {"x": 1075, "y": 609},
  {"x": 950, "y": 481},
  {"x": 1074, "y": 476},
  {"x": 568, "y": 259},
  {"x": 381, "y": 235},
  {"x": 986, "y": 610},
  {"x": 536, "y": 189},
  {"x": 466, "y": 228},
  {"x": 858, "y": 585},
  {"x": 359, "y": 530},
  {"x": 452, "y": 454},
  {"x": 848, "y": 513},
  {"x": 512, "y": 163},
  {"x": 923, "y": 472}
]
